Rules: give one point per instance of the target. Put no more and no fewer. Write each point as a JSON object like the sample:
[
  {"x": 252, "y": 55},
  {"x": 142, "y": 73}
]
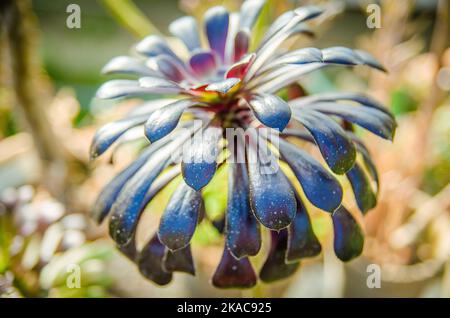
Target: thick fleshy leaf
[
  {"x": 216, "y": 25},
  {"x": 298, "y": 133},
  {"x": 150, "y": 106},
  {"x": 320, "y": 187},
  {"x": 242, "y": 229},
  {"x": 241, "y": 44},
  {"x": 121, "y": 88},
  {"x": 150, "y": 262},
  {"x": 306, "y": 13},
  {"x": 233, "y": 273},
  {"x": 302, "y": 29},
  {"x": 200, "y": 160},
  {"x": 282, "y": 76},
  {"x": 219, "y": 224},
  {"x": 159, "y": 85},
  {"x": 336, "y": 148},
  {"x": 277, "y": 25},
  {"x": 128, "y": 65},
  {"x": 134, "y": 196},
  {"x": 203, "y": 63},
  {"x": 371, "y": 119},
  {"x": 110, "y": 192},
  {"x": 154, "y": 45},
  {"x": 109, "y": 133},
  {"x": 339, "y": 96},
  {"x": 368, "y": 59},
  {"x": 275, "y": 267},
  {"x": 360, "y": 147},
  {"x": 285, "y": 75},
  {"x": 135, "y": 134},
  {"x": 364, "y": 195},
  {"x": 239, "y": 69},
  {"x": 170, "y": 68},
  {"x": 249, "y": 13},
  {"x": 233, "y": 28},
  {"x": 179, "y": 261},
  {"x": 185, "y": 28},
  {"x": 271, "y": 110},
  {"x": 301, "y": 56},
  {"x": 272, "y": 198},
  {"x": 367, "y": 158},
  {"x": 340, "y": 55},
  {"x": 164, "y": 120},
  {"x": 302, "y": 242},
  {"x": 346, "y": 56},
  {"x": 180, "y": 218},
  {"x": 125, "y": 212},
  {"x": 223, "y": 86},
  {"x": 292, "y": 18},
  {"x": 267, "y": 49},
  {"x": 348, "y": 236},
  {"x": 129, "y": 250}
]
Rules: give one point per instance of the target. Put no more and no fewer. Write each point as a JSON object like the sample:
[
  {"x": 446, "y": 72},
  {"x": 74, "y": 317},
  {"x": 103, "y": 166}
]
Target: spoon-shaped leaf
[
  {"x": 233, "y": 273},
  {"x": 128, "y": 65},
  {"x": 164, "y": 120},
  {"x": 186, "y": 29},
  {"x": 249, "y": 13},
  {"x": 302, "y": 242},
  {"x": 320, "y": 187},
  {"x": 150, "y": 262},
  {"x": 179, "y": 261},
  {"x": 241, "y": 44},
  {"x": 364, "y": 195},
  {"x": 110, "y": 192},
  {"x": 154, "y": 45},
  {"x": 180, "y": 218},
  {"x": 275, "y": 267},
  {"x": 371, "y": 119},
  {"x": 216, "y": 25},
  {"x": 121, "y": 88},
  {"x": 242, "y": 229},
  {"x": 271, "y": 110},
  {"x": 200, "y": 160},
  {"x": 348, "y": 236},
  {"x": 336, "y": 148},
  {"x": 203, "y": 63},
  {"x": 223, "y": 86},
  {"x": 109, "y": 133},
  {"x": 272, "y": 198}
]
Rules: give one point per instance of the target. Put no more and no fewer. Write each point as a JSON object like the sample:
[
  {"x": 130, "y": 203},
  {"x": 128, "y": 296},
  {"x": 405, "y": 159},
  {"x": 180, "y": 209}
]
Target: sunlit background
[{"x": 48, "y": 77}]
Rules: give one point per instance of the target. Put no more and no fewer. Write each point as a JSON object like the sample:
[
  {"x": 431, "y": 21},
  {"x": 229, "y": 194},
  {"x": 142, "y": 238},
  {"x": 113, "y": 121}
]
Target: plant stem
[
  {"x": 131, "y": 17},
  {"x": 32, "y": 94}
]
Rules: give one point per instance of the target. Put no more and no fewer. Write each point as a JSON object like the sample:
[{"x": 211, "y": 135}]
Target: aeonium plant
[{"x": 226, "y": 87}]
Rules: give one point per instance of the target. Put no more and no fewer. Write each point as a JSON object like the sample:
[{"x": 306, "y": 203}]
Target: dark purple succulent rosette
[{"x": 226, "y": 86}]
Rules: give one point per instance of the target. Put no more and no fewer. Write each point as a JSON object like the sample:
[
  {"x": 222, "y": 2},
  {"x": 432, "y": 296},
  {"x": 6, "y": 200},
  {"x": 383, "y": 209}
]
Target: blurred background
[{"x": 49, "y": 74}]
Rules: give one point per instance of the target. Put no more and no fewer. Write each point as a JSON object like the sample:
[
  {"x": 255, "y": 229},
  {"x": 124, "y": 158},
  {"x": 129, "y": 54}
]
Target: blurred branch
[
  {"x": 424, "y": 214},
  {"x": 439, "y": 42},
  {"x": 131, "y": 17},
  {"x": 32, "y": 90},
  {"x": 20, "y": 25}
]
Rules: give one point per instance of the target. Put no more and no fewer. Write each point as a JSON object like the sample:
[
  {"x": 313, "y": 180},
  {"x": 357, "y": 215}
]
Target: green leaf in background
[
  {"x": 56, "y": 272},
  {"x": 131, "y": 17},
  {"x": 402, "y": 101},
  {"x": 206, "y": 234},
  {"x": 6, "y": 233},
  {"x": 215, "y": 194}
]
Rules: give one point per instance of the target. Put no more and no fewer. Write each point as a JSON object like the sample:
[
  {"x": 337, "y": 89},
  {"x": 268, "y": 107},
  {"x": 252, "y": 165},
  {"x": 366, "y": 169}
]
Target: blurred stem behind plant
[
  {"x": 32, "y": 90},
  {"x": 131, "y": 17}
]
